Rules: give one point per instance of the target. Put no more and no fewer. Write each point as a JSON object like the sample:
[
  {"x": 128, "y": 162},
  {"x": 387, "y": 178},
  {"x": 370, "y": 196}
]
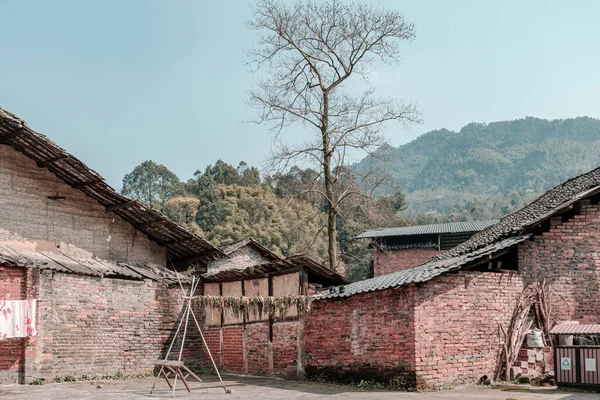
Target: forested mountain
[
  {"x": 482, "y": 171},
  {"x": 487, "y": 170},
  {"x": 223, "y": 203}
]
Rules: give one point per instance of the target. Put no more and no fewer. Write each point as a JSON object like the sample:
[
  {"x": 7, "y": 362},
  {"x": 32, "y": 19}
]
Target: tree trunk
[
  {"x": 331, "y": 213},
  {"x": 331, "y": 209}
]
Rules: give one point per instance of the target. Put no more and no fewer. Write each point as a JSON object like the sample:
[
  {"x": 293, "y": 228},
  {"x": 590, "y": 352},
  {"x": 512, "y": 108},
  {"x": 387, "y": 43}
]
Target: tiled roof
[
  {"x": 231, "y": 247},
  {"x": 183, "y": 247},
  {"x": 451, "y": 227},
  {"x": 29, "y": 257},
  {"x": 290, "y": 263},
  {"x": 421, "y": 273},
  {"x": 544, "y": 207},
  {"x": 510, "y": 230}
]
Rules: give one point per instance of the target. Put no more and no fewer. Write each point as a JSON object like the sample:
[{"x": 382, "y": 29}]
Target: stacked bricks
[
  {"x": 388, "y": 261},
  {"x": 533, "y": 363}
]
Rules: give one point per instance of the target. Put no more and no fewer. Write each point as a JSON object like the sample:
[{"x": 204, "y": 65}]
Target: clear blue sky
[{"x": 120, "y": 82}]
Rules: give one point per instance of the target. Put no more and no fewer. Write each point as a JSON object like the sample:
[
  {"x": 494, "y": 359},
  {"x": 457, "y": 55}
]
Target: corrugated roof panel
[
  {"x": 28, "y": 257},
  {"x": 575, "y": 329},
  {"x": 451, "y": 227},
  {"x": 22, "y": 257},
  {"x": 422, "y": 273}
]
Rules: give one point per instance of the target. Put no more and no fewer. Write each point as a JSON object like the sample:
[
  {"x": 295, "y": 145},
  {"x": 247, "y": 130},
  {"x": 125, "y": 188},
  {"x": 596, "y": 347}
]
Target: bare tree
[{"x": 310, "y": 49}]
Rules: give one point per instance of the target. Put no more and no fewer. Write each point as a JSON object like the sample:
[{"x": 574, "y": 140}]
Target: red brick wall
[
  {"x": 233, "y": 348},
  {"x": 212, "y": 336},
  {"x": 568, "y": 257},
  {"x": 13, "y": 286},
  {"x": 285, "y": 348},
  {"x": 456, "y": 325},
  {"x": 246, "y": 348},
  {"x": 388, "y": 261},
  {"x": 442, "y": 332},
  {"x": 258, "y": 348},
  {"x": 367, "y": 336}
]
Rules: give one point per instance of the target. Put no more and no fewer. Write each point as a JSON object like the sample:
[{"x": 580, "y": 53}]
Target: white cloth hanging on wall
[{"x": 17, "y": 318}]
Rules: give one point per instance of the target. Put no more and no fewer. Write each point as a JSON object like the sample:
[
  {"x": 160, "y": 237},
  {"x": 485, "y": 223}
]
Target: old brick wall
[
  {"x": 247, "y": 348},
  {"x": 440, "y": 333},
  {"x": 456, "y": 325},
  {"x": 233, "y": 348},
  {"x": 388, "y": 261},
  {"x": 212, "y": 335},
  {"x": 15, "y": 284},
  {"x": 94, "y": 326},
  {"x": 258, "y": 349},
  {"x": 367, "y": 336},
  {"x": 78, "y": 220},
  {"x": 568, "y": 257},
  {"x": 285, "y": 348}
]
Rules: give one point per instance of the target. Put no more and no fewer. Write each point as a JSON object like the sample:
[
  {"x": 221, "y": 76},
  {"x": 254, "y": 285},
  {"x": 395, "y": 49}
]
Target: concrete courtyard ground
[{"x": 265, "y": 389}]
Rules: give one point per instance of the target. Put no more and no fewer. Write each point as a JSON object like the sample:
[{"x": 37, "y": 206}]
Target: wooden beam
[
  {"x": 147, "y": 224},
  {"x": 304, "y": 281},
  {"x": 176, "y": 241},
  {"x": 11, "y": 135},
  {"x": 88, "y": 183},
  {"x": 121, "y": 206},
  {"x": 204, "y": 257},
  {"x": 214, "y": 279},
  {"x": 271, "y": 318},
  {"x": 45, "y": 163}
]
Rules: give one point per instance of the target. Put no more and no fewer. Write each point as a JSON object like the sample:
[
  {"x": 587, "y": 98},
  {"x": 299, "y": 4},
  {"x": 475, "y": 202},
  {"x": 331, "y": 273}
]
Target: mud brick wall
[
  {"x": 15, "y": 284},
  {"x": 456, "y": 325},
  {"x": 367, "y": 336},
  {"x": 568, "y": 257},
  {"x": 388, "y": 261},
  {"x": 77, "y": 220}
]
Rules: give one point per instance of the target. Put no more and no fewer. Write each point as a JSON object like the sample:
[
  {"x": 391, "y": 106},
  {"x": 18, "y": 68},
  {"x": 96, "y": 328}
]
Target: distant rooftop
[{"x": 432, "y": 229}]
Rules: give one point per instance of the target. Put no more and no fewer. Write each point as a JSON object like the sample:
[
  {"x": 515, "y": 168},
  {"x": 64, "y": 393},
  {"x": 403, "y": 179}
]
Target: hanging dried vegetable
[{"x": 256, "y": 306}]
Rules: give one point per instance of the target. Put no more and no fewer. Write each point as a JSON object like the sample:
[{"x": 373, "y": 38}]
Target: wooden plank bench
[{"x": 175, "y": 367}]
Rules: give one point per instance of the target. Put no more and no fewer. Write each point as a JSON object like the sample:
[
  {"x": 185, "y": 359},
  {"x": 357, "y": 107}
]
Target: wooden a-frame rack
[{"x": 177, "y": 367}]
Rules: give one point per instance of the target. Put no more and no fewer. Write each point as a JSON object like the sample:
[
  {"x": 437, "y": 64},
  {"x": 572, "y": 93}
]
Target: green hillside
[{"x": 487, "y": 170}]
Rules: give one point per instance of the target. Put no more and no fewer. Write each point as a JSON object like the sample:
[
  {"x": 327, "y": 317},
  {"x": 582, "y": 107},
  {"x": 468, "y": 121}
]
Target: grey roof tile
[
  {"x": 451, "y": 227},
  {"x": 422, "y": 273},
  {"x": 544, "y": 207}
]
